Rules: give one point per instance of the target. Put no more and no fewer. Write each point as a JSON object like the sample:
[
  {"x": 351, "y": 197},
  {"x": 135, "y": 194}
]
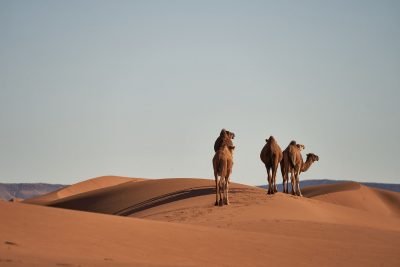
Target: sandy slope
[
  {"x": 81, "y": 187},
  {"x": 253, "y": 210},
  {"x": 179, "y": 226},
  {"x": 355, "y": 195},
  {"x": 126, "y": 198}
]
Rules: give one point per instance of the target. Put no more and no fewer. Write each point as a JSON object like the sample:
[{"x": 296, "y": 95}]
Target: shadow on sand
[{"x": 168, "y": 198}]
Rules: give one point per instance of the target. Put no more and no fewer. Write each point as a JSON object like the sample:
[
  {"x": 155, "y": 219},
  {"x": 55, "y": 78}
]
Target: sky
[{"x": 143, "y": 88}]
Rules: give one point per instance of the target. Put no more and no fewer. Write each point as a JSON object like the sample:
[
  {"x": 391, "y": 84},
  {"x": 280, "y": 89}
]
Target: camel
[
  {"x": 222, "y": 164},
  {"x": 285, "y": 164},
  {"x": 271, "y": 155},
  {"x": 297, "y": 165},
  {"x": 218, "y": 142}
]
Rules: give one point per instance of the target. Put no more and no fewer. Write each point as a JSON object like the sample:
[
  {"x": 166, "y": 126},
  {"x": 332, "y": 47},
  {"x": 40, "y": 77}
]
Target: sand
[
  {"x": 82, "y": 187},
  {"x": 173, "y": 222}
]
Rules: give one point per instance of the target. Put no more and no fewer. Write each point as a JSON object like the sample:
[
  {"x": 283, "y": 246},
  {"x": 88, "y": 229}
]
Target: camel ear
[
  {"x": 232, "y": 147},
  {"x": 266, "y": 140},
  {"x": 308, "y": 154}
]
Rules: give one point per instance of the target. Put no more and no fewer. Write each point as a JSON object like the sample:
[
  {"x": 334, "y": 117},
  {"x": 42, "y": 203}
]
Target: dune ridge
[
  {"x": 190, "y": 200},
  {"x": 81, "y": 187},
  {"x": 127, "y": 198},
  {"x": 355, "y": 195}
]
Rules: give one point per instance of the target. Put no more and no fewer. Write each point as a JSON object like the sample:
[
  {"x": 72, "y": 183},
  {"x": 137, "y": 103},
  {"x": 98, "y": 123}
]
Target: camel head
[
  {"x": 227, "y": 141},
  {"x": 225, "y": 132},
  {"x": 301, "y": 147},
  {"x": 312, "y": 156}
]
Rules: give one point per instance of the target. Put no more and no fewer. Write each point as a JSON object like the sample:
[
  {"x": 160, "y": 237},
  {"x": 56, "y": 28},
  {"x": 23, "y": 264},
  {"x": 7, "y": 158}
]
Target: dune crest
[
  {"x": 357, "y": 196},
  {"x": 130, "y": 197},
  {"x": 81, "y": 187},
  {"x": 190, "y": 200}
]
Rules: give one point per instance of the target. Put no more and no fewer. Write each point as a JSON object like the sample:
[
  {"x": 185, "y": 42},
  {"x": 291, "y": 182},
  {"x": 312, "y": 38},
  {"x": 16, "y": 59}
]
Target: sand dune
[
  {"x": 127, "y": 198},
  {"x": 150, "y": 198},
  {"x": 314, "y": 191},
  {"x": 173, "y": 222},
  {"x": 253, "y": 210},
  {"x": 355, "y": 195},
  {"x": 81, "y": 187}
]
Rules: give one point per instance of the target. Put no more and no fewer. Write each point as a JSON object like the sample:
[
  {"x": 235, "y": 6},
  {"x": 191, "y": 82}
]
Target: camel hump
[
  {"x": 292, "y": 155},
  {"x": 218, "y": 143}
]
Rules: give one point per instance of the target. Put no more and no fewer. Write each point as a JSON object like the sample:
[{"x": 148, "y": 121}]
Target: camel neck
[{"x": 306, "y": 165}]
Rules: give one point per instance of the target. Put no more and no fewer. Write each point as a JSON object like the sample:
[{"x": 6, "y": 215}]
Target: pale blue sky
[{"x": 142, "y": 88}]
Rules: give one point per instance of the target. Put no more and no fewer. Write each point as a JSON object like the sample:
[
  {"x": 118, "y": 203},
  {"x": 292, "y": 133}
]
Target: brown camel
[
  {"x": 218, "y": 142},
  {"x": 285, "y": 164},
  {"x": 222, "y": 164},
  {"x": 271, "y": 155},
  {"x": 297, "y": 165}
]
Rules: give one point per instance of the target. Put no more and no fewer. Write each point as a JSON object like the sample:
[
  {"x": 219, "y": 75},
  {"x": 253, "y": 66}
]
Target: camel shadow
[
  {"x": 169, "y": 198},
  {"x": 165, "y": 199}
]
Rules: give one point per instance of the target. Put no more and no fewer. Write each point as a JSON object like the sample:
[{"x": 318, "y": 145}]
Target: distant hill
[
  {"x": 26, "y": 190},
  {"x": 391, "y": 187}
]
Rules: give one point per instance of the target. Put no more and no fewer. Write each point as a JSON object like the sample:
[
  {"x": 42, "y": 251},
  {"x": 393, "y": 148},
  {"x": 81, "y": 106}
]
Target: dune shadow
[
  {"x": 392, "y": 199},
  {"x": 167, "y": 198}
]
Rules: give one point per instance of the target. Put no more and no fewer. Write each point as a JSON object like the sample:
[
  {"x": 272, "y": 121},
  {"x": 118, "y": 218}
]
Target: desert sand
[
  {"x": 82, "y": 187},
  {"x": 173, "y": 222}
]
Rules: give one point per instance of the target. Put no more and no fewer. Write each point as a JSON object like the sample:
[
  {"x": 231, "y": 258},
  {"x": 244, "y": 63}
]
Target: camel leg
[
  {"x": 298, "y": 184},
  {"x": 227, "y": 191},
  {"x": 287, "y": 180},
  {"x": 216, "y": 189},
  {"x": 221, "y": 191},
  {"x": 274, "y": 170},
  {"x": 227, "y": 185},
  {"x": 269, "y": 181},
  {"x": 292, "y": 181},
  {"x": 227, "y": 194},
  {"x": 283, "y": 186},
  {"x": 286, "y": 184},
  {"x": 283, "y": 177}
]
